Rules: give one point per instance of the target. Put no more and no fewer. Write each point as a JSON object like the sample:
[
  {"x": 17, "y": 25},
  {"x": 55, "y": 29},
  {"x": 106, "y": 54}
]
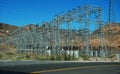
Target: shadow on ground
[{"x": 12, "y": 72}]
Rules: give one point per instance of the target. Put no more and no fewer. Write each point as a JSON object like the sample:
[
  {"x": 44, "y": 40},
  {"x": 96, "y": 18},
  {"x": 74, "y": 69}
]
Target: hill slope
[
  {"x": 111, "y": 36},
  {"x": 5, "y": 29}
]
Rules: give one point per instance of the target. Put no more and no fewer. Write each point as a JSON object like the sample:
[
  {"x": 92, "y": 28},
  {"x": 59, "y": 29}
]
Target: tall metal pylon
[{"x": 111, "y": 14}]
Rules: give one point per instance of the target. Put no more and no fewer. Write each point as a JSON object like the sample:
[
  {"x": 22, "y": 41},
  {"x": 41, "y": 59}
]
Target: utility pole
[{"x": 109, "y": 15}]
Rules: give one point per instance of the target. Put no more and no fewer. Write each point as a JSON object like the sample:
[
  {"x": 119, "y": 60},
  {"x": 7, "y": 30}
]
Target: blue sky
[{"x": 23, "y": 12}]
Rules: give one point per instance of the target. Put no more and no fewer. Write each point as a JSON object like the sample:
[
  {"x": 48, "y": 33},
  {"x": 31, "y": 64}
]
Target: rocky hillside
[
  {"x": 6, "y": 29},
  {"x": 111, "y": 35}
]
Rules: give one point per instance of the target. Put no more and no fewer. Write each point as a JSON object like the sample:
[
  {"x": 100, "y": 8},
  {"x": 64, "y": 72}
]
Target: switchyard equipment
[{"x": 48, "y": 37}]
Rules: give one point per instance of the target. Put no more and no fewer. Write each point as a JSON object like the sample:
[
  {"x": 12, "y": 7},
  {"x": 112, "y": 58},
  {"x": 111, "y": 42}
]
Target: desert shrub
[
  {"x": 27, "y": 56},
  {"x": 67, "y": 57},
  {"x": 40, "y": 58},
  {"x": 52, "y": 57},
  {"x": 1, "y": 55},
  {"x": 19, "y": 57},
  {"x": 10, "y": 53},
  {"x": 85, "y": 57},
  {"x": 111, "y": 56}
]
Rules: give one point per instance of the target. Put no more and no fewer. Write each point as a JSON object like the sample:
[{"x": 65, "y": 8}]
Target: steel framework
[{"x": 48, "y": 36}]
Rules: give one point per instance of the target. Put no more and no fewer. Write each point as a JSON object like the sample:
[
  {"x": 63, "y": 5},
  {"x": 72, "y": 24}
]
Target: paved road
[
  {"x": 83, "y": 70},
  {"x": 50, "y": 67}
]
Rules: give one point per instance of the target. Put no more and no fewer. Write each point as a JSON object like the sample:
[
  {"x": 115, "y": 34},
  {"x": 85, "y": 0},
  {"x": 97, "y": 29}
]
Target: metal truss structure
[{"x": 49, "y": 37}]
